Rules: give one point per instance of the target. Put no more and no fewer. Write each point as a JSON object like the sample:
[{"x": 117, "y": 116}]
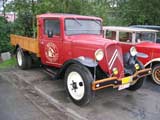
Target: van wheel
[
  {"x": 78, "y": 82},
  {"x": 156, "y": 74},
  {"x": 24, "y": 60}
]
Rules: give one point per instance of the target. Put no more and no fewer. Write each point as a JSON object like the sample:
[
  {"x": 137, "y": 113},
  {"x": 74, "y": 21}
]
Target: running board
[{"x": 51, "y": 72}]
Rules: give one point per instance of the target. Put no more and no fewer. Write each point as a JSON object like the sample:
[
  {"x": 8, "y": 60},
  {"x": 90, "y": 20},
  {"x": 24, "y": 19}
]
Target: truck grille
[{"x": 115, "y": 59}]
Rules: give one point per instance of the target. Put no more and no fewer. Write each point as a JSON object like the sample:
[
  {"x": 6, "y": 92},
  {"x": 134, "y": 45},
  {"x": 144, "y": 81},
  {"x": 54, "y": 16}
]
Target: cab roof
[
  {"x": 64, "y": 15},
  {"x": 127, "y": 29}
]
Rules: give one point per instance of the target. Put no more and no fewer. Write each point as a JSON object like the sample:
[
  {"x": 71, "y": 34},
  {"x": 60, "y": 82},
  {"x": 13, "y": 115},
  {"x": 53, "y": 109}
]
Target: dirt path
[
  {"x": 21, "y": 102},
  {"x": 109, "y": 104}
]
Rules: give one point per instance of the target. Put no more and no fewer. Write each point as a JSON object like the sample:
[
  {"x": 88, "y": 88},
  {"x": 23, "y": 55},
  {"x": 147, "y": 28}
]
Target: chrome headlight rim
[
  {"x": 99, "y": 54},
  {"x": 133, "y": 51}
]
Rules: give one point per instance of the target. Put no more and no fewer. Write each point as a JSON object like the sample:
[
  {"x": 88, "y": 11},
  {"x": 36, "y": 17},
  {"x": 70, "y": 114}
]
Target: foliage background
[
  {"x": 4, "y": 35},
  {"x": 113, "y": 12}
]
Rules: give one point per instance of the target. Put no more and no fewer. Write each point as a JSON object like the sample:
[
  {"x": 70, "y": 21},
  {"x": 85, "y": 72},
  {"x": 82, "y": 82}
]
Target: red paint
[
  {"x": 57, "y": 50},
  {"x": 150, "y": 48}
]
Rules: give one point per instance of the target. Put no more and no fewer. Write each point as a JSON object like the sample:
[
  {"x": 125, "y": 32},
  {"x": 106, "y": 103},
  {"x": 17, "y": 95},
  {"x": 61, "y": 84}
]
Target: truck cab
[
  {"x": 87, "y": 62},
  {"x": 61, "y": 35}
]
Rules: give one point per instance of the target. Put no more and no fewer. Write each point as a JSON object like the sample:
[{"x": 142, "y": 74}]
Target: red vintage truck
[
  {"x": 74, "y": 45},
  {"x": 143, "y": 39}
]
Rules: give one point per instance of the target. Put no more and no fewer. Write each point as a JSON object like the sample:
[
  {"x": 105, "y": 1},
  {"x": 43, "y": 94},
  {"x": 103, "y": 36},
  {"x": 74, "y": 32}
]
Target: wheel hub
[{"x": 74, "y": 85}]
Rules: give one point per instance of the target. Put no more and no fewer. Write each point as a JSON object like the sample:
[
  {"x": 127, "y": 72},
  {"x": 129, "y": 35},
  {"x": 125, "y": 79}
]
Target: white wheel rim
[
  {"x": 76, "y": 79},
  {"x": 19, "y": 58}
]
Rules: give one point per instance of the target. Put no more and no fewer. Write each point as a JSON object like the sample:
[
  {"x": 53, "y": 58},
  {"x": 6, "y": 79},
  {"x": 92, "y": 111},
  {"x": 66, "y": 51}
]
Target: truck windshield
[{"x": 82, "y": 26}]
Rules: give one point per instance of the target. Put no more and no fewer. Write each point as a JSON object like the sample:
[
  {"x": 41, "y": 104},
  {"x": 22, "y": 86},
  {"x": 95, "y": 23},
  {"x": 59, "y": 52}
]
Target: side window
[
  {"x": 111, "y": 35},
  {"x": 52, "y": 26},
  {"x": 124, "y": 37}
]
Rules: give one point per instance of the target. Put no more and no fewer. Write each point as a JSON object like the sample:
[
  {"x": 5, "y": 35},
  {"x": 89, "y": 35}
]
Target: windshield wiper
[
  {"x": 97, "y": 22},
  {"x": 77, "y": 21}
]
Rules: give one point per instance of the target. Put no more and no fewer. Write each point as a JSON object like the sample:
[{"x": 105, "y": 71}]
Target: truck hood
[
  {"x": 87, "y": 45},
  {"x": 91, "y": 40}
]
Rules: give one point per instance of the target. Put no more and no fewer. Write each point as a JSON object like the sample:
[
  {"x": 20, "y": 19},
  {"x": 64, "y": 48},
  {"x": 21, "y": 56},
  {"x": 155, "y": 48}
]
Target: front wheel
[
  {"x": 137, "y": 85},
  {"x": 78, "y": 82},
  {"x": 156, "y": 74}
]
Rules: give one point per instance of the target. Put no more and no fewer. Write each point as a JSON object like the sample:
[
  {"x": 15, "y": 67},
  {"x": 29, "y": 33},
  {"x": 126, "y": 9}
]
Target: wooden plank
[{"x": 28, "y": 44}]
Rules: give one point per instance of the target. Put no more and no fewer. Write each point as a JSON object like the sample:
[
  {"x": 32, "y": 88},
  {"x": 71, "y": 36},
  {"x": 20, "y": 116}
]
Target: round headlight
[
  {"x": 133, "y": 51},
  {"x": 99, "y": 54},
  {"x": 137, "y": 66},
  {"x": 115, "y": 71}
]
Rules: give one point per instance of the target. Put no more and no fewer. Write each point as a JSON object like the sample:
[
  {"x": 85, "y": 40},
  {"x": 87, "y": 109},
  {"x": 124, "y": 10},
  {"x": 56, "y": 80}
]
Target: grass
[{"x": 8, "y": 63}]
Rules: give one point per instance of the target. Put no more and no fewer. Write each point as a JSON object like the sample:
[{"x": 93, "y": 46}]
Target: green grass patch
[{"x": 8, "y": 63}]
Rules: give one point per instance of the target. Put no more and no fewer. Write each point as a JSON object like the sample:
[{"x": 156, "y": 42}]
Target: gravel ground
[
  {"x": 19, "y": 101},
  {"x": 14, "y": 106},
  {"x": 109, "y": 104}
]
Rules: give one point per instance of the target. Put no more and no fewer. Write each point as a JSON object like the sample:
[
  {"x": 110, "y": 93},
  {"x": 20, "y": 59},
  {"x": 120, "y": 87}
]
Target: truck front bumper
[{"x": 117, "y": 82}]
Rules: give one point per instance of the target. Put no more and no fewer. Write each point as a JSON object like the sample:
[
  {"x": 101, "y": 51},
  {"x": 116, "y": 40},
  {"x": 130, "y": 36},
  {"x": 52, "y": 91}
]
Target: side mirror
[{"x": 50, "y": 34}]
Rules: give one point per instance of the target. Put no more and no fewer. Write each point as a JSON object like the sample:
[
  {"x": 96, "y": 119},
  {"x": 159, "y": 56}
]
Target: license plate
[
  {"x": 124, "y": 86},
  {"x": 125, "y": 83},
  {"x": 126, "y": 80}
]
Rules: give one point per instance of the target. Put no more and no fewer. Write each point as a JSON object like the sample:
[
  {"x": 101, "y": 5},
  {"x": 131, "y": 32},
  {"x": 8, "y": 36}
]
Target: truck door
[{"x": 50, "y": 42}]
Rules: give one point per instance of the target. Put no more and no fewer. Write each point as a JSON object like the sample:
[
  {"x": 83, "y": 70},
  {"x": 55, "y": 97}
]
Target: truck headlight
[
  {"x": 115, "y": 71},
  {"x": 99, "y": 54},
  {"x": 133, "y": 51}
]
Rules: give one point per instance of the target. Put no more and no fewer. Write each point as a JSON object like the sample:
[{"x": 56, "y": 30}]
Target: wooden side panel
[{"x": 28, "y": 44}]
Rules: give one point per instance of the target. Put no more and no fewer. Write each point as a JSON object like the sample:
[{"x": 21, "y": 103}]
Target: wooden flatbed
[{"x": 26, "y": 43}]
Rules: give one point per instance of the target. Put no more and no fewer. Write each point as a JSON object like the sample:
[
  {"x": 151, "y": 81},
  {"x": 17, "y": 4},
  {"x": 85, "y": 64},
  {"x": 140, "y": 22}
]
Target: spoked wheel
[
  {"x": 24, "y": 60},
  {"x": 78, "y": 82},
  {"x": 156, "y": 74}
]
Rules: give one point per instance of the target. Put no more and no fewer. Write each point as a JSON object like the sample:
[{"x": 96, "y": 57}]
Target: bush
[{"x": 4, "y": 35}]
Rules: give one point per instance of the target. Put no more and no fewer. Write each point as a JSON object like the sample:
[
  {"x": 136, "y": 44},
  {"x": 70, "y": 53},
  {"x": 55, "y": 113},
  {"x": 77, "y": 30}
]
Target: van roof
[{"x": 127, "y": 29}]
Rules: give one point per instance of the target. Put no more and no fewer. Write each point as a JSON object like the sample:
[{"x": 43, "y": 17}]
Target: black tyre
[
  {"x": 156, "y": 74},
  {"x": 29, "y": 60},
  {"x": 78, "y": 83},
  {"x": 139, "y": 83},
  {"x": 24, "y": 60}
]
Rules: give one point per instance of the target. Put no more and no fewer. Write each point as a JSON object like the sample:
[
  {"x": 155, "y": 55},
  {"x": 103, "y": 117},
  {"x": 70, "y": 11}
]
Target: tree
[
  {"x": 4, "y": 35},
  {"x": 130, "y": 12},
  {"x": 4, "y": 8},
  {"x": 28, "y": 9}
]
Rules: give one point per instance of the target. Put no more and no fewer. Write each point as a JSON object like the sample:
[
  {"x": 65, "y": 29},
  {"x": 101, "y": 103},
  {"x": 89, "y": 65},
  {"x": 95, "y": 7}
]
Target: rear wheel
[
  {"x": 24, "y": 60},
  {"x": 78, "y": 82},
  {"x": 156, "y": 74}
]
